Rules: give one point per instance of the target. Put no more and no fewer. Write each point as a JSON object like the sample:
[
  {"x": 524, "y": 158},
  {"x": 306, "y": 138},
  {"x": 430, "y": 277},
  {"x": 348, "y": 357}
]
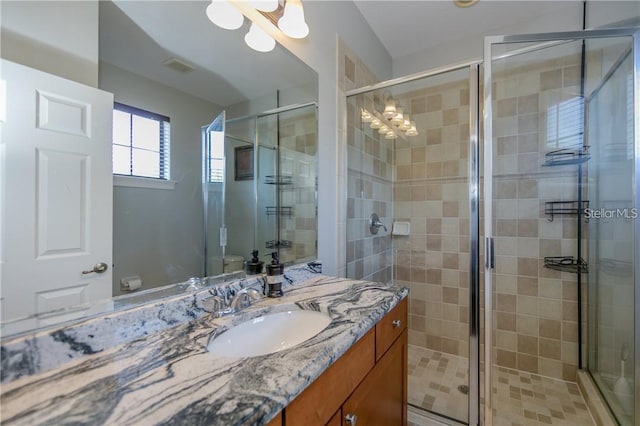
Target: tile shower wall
[
  {"x": 430, "y": 192},
  {"x": 536, "y": 319},
  {"x": 369, "y": 180},
  {"x": 536, "y": 324},
  {"x": 298, "y": 144}
]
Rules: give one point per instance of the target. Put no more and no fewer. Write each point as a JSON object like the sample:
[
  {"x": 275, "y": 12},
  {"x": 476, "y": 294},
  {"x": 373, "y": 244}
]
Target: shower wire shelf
[
  {"x": 278, "y": 244},
  {"x": 563, "y": 157},
  {"x": 566, "y": 264},
  {"x": 279, "y": 211},
  {"x": 278, "y": 180},
  {"x": 553, "y": 208}
]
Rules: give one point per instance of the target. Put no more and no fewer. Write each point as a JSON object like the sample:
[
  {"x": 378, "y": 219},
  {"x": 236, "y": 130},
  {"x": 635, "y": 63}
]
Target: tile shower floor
[{"x": 521, "y": 398}]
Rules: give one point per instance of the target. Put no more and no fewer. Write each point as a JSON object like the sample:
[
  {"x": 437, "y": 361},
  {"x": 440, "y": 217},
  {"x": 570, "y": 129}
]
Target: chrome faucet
[
  {"x": 214, "y": 305},
  {"x": 244, "y": 298},
  {"x": 217, "y": 306}
]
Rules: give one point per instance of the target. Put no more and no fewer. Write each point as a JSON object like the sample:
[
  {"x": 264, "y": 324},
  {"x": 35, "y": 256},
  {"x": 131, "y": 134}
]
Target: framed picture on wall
[{"x": 244, "y": 163}]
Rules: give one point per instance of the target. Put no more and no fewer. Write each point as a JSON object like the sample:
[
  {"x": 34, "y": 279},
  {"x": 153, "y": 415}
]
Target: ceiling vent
[{"x": 177, "y": 65}]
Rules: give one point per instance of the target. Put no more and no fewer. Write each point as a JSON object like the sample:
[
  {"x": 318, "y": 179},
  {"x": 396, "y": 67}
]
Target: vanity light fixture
[
  {"x": 406, "y": 123},
  {"x": 391, "y": 134},
  {"x": 258, "y": 40},
  {"x": 366, "y": 116},
  {"x": 376, "y": 123},
  {"x": 392, "y": 126},
  {"x": 292, "y": 22},
  {"x": 398, "y": 119},
  {"x": 224, "y": 14},
  {"x": 267, "y": 17},
  {"x": 389, "y": 109},
  {"x": 412, "y": 130},
  {"x": 264, "y": 5}
]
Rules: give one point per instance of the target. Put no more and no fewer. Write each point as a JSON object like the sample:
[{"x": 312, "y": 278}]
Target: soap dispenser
[
  {"x": 275, "y": 276},
  {"x": 255, "y": 265}
]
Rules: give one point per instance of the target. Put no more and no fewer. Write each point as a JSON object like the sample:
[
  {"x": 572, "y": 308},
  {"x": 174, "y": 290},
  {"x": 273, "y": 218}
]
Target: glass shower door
[
  {"x": 612, "y": 226},
  {"x": 286, "y": 183},
  {"x": 213, "y": 190},
  {"x": 559, "y": 141},
  {"x": 419, "y": 183}
]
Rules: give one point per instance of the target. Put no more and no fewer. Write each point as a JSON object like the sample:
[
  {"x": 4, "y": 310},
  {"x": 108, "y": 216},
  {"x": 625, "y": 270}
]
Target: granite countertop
[{"x": 168, "y": 377}]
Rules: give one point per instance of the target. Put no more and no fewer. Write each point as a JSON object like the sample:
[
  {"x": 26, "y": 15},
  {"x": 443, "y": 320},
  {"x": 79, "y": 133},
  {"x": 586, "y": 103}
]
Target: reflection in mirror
[
  {"x": 286, "y": 212},
  {"x": 189, "y": 75}
]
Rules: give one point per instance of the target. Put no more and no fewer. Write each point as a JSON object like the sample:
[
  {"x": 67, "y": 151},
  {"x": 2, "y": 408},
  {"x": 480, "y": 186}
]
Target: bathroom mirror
[{"x": 166, "y": 57}]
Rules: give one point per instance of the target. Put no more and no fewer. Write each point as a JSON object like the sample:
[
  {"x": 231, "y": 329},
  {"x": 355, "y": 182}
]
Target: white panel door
[{"x": 57, "y": 193}]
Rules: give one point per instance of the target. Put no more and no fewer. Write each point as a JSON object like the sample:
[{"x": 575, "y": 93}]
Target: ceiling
[
  {"x": 139, "y": 36},
  {"x": 406, "y": 27}
]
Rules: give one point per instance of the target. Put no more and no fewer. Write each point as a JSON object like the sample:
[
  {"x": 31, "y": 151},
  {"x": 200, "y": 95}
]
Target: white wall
[
  {"x": 469, "y": 48},
  {"x": 60, "y": 38},
  {"x": 158, "y": 233},
  {"x": 327, "y": 20},
  {"x": 612, "y": 13}
]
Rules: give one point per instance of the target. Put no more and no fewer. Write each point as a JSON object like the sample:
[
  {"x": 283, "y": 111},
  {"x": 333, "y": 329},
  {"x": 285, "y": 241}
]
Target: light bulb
[
  {"x": 376, "y": 123},
  {"x": 412, "y": 130},
  {"x": 264, "y": 5},
  {"x": 389, "y": 109},
  {"x": 398, "y": 118},
  {"x": 292, "y": 22},
  {"x": 258, "y": 40},
  {"x": 391, "y": 134},
  {"x": 224, "y": 14},
  {"x": 366, "y": 116},
  {"x": 406, "y": 124},
  {"x": 384, "y": 129}
]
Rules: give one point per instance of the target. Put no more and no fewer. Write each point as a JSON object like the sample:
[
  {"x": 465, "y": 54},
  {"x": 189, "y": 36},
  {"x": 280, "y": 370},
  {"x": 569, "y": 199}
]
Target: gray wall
[
  {"x": 158, "y": 232},
  {"x": 60, "y": 38}
]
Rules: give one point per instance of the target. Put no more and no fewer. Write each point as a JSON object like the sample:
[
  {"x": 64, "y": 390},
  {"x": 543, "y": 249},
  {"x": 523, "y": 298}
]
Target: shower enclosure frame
[
  {"x": 545, "y": 40},
  {"x": 473, "y": 68},
  {"x": 221, "y": 122},
  {"x": 542, "y": 40}
]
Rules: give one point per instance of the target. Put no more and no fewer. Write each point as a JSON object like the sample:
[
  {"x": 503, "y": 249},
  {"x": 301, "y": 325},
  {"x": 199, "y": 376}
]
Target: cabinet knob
[
  {"x": 396, "y": 323},
  {"x": 351, "y": 419}
]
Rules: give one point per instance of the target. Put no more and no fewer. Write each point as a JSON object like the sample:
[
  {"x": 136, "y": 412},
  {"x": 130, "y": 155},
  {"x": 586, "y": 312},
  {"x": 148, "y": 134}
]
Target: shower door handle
[{"x": 489, "y": 261}]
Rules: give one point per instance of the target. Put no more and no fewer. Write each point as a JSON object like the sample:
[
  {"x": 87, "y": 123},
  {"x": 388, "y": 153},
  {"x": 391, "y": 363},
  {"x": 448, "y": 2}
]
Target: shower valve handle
[{"x": 375, "y": 224}]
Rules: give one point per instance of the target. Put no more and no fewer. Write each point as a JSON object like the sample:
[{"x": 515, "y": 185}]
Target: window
[
  {"x": 216, "y": 157},
  {"x": 565, "y": 124},
  {"x": 140, "y": 143}
]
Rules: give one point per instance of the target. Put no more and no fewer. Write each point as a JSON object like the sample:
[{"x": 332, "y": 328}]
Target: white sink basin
[{"x": 269, "y": 333}]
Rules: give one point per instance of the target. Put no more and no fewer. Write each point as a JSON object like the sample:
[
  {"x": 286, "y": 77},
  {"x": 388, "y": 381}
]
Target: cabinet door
[
  {"x": 316, "y": 405},
  {"x": 276, "y": 421},
  {"x": 381, "y": 397}
]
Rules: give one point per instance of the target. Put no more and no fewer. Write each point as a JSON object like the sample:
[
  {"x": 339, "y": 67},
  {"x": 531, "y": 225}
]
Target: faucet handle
[{"x": 212, "y": 304}]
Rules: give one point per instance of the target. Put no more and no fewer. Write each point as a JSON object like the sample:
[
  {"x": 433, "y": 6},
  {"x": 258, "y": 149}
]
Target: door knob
[
  {"x": 98, "y": 268},
  {"x": 351, "y": 419},
  {"x": 396, "y": 323}
]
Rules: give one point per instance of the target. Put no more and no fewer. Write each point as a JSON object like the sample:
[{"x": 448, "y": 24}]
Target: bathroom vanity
[
  {"x": 368, "y": 384},
  {"x": 106, "y": 372}
]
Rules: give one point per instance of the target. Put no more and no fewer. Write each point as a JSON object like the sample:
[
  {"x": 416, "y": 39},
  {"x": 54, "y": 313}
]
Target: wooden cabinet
[
  {"x": 368, "y": 383},
  {"x": 276, "y": 421},
  {"x": 380, "y": 398}
]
